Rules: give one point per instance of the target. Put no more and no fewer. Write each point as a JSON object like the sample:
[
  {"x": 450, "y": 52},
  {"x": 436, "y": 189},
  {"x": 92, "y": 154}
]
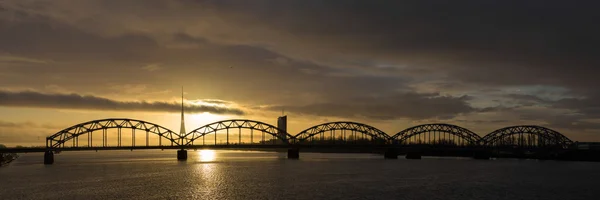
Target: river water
[{"x": 207, "y": 174}]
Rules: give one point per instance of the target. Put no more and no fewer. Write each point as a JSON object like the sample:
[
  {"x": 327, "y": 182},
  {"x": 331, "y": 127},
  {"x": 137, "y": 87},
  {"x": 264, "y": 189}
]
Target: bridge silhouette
[{"x": 244, "y": 133}]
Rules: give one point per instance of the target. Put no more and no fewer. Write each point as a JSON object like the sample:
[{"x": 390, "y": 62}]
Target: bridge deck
[{"x": 242, "y": 146}]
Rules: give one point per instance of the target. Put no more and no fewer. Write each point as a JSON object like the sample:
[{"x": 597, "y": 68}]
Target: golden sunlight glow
[
  {"x": 207, "y": 155},
  {"x": 203, "y": 118}
]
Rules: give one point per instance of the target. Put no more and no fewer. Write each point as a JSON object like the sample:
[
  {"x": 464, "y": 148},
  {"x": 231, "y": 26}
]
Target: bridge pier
[
  {"x": 48, "y": 157},
  {"x": 413, "y": 155},
  {"x": 182, "y": 154},
  {"x": 293, "y": 153},
  {"x": 482, "y": 155},
  {"x": 391, "y": 153}
]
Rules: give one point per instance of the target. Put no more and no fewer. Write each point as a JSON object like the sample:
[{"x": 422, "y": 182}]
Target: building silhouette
[{"x": 282, "y": 126}]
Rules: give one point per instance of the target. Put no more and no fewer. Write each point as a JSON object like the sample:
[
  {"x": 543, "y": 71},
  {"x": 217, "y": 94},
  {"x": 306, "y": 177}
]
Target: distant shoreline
[{"x": 7, "y": 158}]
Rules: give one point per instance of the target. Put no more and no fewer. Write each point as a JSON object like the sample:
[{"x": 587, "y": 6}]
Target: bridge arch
[
  {"x": 367, "y": 130},
  {"x": 239, "y": 124},
  {"x": 72, "y": 133},
  {"x": 526, "y": 136},
  {"x": 442, "y": 133}
]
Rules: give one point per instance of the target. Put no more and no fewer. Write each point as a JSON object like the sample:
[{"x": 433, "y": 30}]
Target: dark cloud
[
  {"x": 88, "y": 102},
  {"x": 497, "y": 108},
  {"x": 528, "y": 100},
  {"x": 499, "y": 43},
  {"x": 471, "y": 31},
  {"x": 481, "y": 38},
  {"x": 400, "y": 105},
  {"x": 216, "y": 101},
  {"x": 579, "y": 108},
  {"x": 482, "y": 121},
  {"x": 588, "y": 107},
  {"x": 571, "y": 122},
  {"x": 342, "y": 58}
]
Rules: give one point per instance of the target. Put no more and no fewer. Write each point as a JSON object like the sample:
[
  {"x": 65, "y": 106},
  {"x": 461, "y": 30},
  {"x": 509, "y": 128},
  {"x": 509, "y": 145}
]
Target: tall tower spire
[{"x": 182, "y": 130}]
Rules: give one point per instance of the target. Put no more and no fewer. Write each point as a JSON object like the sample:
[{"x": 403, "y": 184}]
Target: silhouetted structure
[
  {"x": 282, "y": 128},
  {"x": 427, "y": 139},
  {"x": 181, "y": 154}
]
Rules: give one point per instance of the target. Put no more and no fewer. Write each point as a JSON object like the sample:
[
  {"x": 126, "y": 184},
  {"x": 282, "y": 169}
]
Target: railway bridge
[{"x": 425, "y": 139}]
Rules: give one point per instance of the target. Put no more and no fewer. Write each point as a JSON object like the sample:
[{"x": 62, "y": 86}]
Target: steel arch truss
[
  {"x": 452, "y": 130},
  {"x": 60, "y": 138},
  {"x": 526, "y": 136},
  {"x": 252, "y": 125},
  {"x": 374, "y": 133}
]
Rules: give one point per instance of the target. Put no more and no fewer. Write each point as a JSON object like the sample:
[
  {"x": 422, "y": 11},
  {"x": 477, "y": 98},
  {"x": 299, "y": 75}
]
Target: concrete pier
[
  {"x": 293, "y": 153},
  {"x": 413, "y": 155},
  {"x": 48, "y": 157},
  {"x": 391, "y": 153},
  {"x": 482, "y": 155},
  {"x": 182, "y": 155}
]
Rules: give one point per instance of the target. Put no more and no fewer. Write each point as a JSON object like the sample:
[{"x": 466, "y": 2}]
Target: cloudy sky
[{"x": 478, "y": 64}]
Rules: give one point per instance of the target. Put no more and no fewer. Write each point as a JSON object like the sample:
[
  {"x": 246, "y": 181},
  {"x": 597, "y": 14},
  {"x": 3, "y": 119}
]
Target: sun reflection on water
[
  {"x": 207, "y": 155},
  {"x": 207, "y": 179}
]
